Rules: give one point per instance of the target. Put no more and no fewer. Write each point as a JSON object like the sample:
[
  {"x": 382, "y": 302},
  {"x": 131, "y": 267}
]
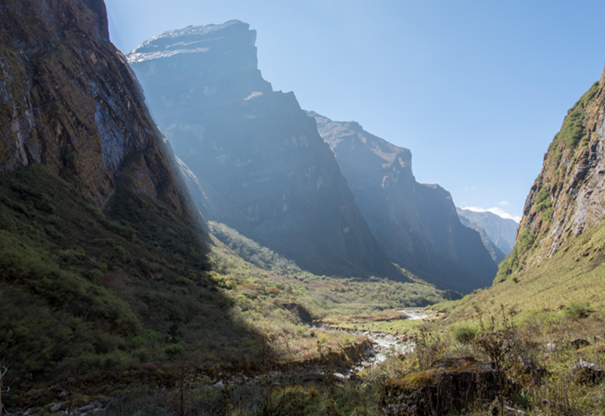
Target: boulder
[
  {"x": 450, "y": 385},
  {"x": 588, "y": 373}
]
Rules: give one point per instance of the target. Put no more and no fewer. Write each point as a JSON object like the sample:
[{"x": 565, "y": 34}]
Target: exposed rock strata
[
  {"x": 69, "y": 100},
  {"x": 568, "y": 196}
]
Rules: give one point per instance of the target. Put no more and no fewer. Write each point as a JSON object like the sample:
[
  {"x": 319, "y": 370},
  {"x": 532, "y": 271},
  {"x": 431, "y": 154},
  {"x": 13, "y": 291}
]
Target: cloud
[
  {"x": 503, "y": 203},
  {"x": 498, "y": 211}
]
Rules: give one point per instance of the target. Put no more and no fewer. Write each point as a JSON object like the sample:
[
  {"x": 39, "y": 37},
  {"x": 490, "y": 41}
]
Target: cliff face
[
  {"x": 416, "y": 223},
  {"x": 568, "y": 197},
  {"x": 265, "y": 170},
  {"x": 69, "y": 100}
]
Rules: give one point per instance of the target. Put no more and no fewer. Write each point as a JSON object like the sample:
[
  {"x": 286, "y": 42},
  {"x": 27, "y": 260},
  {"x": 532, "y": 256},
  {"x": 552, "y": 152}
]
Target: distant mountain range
[
  {"x": 416, "y": 223},
  {"x": 257, "y": 163},
  {"x": 501, "y": 231},
  {"x": 256, "y": 159}
]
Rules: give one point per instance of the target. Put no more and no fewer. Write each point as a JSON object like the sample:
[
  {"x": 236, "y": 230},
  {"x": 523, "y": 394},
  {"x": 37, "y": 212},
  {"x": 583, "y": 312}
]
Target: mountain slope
[
  {"x": 416, "y": 223},
  {"x": 568, "y": 197},
  {"x": 265, "y": 170},
  {"x": 103, "y": 257},
  {"x": 68, "y": 100},
  {"x": 501, "y": 231},
  {"x": 494, "y": 251}
]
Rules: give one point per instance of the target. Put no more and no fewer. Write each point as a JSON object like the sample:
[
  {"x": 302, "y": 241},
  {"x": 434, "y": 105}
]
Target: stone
[
  {"x": 450, "y": 385},
  {"x": 86, "y": 408},
  {"x": 56, "y": 407},
  {"x": 588, "y": 373},
  {"x": 551, "y": 347}
]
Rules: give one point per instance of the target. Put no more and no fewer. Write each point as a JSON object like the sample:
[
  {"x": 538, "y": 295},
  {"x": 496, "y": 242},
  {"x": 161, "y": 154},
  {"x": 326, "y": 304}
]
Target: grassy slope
[
  {"x": 128, "y": 293},
  {"x": 85, "y": 291},
  {"x": 575, "y": 274}
]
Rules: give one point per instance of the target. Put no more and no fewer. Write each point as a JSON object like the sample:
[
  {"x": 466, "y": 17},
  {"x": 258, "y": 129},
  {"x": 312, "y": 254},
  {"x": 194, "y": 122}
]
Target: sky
[{"x": 475, "y": 89}]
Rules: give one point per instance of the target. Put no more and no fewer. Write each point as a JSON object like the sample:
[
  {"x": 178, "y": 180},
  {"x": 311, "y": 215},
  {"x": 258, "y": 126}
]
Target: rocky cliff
[
  {"x": 568, "y": 196},
  {"x": 501, "y": 231},
  {"x": 69, "y": 100},
  {"x": 266, "y": 171},
  {"x": 416, "y": 223}
]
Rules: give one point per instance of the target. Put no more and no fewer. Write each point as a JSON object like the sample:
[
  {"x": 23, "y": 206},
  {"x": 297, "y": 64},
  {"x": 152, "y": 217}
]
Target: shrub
[
  {"x": 464, "y": 333},
  {"x": 577, "y": 310},
  {"x": 174, "y": 351}
]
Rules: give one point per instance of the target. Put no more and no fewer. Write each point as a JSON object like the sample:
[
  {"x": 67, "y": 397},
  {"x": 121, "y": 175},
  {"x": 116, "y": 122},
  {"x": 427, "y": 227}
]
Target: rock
[
  {"x": 56, "y": 407},
  {"x": 339, "y": 376},
  {"x": 86, "y": 408},
  {"x": 588, "y": 373},
  {"x": 218, "y": 384},
  {"x": 568, "y": 196},
  {"x": 551, "y": 347},
  {"x": 102, "y": 118},
  {"x": 99, "y": 412},
  {"x": 579, "y": 343},
  {"x": 450, "y": 385},
  {"x": 97, "y": 404}
]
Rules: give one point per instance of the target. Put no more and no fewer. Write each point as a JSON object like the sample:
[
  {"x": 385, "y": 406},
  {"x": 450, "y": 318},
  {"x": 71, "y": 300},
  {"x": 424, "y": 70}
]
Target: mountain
[
  {"x": 69, "y": 101},
  {"x": 568, "y": 196},
  {"x": 103, "y": 256},
  {"x": 258, "y": 157},
  {"x": 494, "y": 251},
  {"x": 416, "y": 223},
  {"x": 501, "y": 231}
]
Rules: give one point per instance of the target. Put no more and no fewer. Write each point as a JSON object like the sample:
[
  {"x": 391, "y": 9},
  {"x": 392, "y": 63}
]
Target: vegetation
[
  {"x": 517, "y": 257},
  {"x": 131, "y": 292},
  {"x": 573, "y": 131}
]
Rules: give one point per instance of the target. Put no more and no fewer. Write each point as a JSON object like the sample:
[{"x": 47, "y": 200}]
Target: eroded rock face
[
  {"x": 257, "y": 156},
  {"x": 568, "y": 197},
  {"x": 69, "y": 100},
  {"x": 450, "y": 385},
  {"x": 416, "y": 223}
]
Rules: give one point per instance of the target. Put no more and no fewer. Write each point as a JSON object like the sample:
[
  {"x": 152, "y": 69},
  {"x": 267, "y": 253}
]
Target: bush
[
  {"x": 464, "y": 334},
  {"x": 174, "y": 351},
  {"x": 577, "y": 310}
]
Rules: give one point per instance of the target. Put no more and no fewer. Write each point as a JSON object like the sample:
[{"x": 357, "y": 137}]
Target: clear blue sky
[{"x": 476, "y": 89}]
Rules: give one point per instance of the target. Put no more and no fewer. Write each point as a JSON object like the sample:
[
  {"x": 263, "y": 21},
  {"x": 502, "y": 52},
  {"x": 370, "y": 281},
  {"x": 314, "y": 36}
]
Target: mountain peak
[{"x": 234, "y": 35}]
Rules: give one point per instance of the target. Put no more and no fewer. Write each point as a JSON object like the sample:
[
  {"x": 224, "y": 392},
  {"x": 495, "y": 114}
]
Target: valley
[{"x": 244, "y": 256}]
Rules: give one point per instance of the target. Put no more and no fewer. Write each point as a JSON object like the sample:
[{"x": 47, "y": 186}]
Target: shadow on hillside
[{"x": 91, "y": 299}]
